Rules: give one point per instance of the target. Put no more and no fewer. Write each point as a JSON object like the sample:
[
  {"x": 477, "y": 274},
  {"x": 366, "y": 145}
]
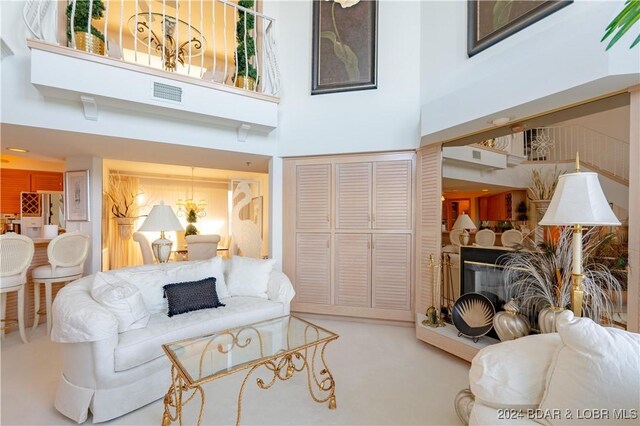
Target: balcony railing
[{"x": 221, "y": 41}]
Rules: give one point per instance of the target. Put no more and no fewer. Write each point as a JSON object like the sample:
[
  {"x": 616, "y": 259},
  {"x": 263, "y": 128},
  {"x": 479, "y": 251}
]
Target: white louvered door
[
  {"x": 313, "y": 268},
  {"x": 429, "y": 216},
  {"x": 352, "y": 270},
  {"x": 391, "y": 271},
  {"x": 353, "y": 195},
  {"x": 313, "y": 196},
  {"x": 392, "y": 189}
]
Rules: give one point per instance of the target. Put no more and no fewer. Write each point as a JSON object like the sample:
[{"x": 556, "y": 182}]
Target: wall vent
[
  {"x": 476, "y": 155},
  {"x": 167, "y": 92}
]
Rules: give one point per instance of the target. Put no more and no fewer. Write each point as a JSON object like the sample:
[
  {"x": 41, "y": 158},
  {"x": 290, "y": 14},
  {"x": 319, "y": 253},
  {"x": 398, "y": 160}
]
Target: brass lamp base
[{"x": 577, "y": 294}]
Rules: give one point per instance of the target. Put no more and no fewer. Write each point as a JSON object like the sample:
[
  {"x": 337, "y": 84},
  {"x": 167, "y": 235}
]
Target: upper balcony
[{"x": 211, "y": 60}]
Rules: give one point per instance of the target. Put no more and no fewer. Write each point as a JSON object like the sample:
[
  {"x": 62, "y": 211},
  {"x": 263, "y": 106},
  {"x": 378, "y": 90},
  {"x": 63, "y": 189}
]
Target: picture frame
[
  {"x": 345, "y": 44},
  {"x": 489, "y": 22},
  {"x": 77, "y": 195}
]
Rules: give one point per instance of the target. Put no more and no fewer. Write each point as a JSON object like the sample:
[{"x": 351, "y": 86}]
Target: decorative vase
[
  {"x": 89, "y": 43},
  {"x": 510, "y": 324},
  {"x": 541, "y": 207},
  {"x": 547, "y": 319},
  {"x": 247, "y": 83},
  {"x": 125, "y": 226}
]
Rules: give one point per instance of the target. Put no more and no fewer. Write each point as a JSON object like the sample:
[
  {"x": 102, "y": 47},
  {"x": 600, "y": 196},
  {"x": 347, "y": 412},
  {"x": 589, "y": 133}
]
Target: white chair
[
  {"x": 511, "y": 238},
  {"x": 454, "y": 237},
  {"x": 16, "y": 253},
  {"x": 145, "y": 247},
  {"x": 202, "y": 247},
  {"x": 66, "y": 253},
  {"x": 485, "y": 238}
]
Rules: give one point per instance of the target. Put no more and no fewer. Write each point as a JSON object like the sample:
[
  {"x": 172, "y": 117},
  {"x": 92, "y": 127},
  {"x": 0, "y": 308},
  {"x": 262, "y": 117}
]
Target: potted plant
[
  {"x": 246, "y": 73},
  {"x": 125, "y": 206},
  {"x": 89, "y": 40},
  {"x": 541, "y": 279},
  {"x": 192, "y": 218}
]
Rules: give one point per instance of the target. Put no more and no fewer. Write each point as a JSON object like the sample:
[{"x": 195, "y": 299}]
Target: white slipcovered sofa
[
  {"x": 113, "y": 361},
  {"x": 585, "y": 374}
]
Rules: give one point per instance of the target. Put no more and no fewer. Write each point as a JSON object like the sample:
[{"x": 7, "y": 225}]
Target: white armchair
[{"x": 202, "y": 247}]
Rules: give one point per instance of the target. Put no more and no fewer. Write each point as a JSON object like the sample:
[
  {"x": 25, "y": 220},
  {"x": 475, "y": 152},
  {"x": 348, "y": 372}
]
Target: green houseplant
[
  {"x": 192, "y": 218},
  {"x": 618, "y": 27},
  {"x": 246, "y": 73},
  {"x": 93, "y": 42}
]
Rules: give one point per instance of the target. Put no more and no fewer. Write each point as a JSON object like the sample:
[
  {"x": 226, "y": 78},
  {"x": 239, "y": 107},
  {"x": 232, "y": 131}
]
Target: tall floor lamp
[
  {"x": 578, "y": 201},
  {"x": 161, "y": 218}
]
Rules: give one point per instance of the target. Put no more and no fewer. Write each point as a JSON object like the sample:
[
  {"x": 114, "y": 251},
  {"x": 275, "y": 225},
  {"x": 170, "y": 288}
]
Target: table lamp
[
  {"x": 578, "y": 201},
  {"x": 161, "y": 218},
  {"x": 464, "y": 222}
]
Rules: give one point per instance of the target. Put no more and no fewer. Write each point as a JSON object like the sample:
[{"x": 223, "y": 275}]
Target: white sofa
[
  {"x": 584, "y": 374},
  {"x": 112, "y": 373}
]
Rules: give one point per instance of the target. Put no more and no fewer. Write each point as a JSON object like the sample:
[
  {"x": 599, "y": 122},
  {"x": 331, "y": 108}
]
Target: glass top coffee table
[{"x": 282, "y": 346}]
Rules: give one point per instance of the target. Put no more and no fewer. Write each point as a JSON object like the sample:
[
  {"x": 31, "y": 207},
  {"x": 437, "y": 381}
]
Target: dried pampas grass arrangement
[
  {"x": 542, "y": 278},
  {"x": 543, "y": 185}
]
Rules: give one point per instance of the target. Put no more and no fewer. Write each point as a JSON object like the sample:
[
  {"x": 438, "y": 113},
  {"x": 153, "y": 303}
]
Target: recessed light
[
  {"x": 12, "y": 149},
  {"x": 485, "y": 190}
]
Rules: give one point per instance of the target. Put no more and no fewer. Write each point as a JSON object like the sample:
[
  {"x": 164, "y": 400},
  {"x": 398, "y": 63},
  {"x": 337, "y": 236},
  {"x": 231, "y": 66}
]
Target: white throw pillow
[
  {"x": 595, "y": 379},
  {"x": 513, "y": 374},
  {"x": 199, "y": 270},
  {"x": 150, "y": 283},
  {"x": 123, "y": 299},
  {"x": 249, "y": 277}
]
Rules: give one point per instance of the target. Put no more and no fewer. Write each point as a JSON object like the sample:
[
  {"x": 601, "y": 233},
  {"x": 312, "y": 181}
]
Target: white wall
[
  {"x": 383, "y": 119},
  {"x": 552, "y": 63},
  {"x": 94, "y": 226}
]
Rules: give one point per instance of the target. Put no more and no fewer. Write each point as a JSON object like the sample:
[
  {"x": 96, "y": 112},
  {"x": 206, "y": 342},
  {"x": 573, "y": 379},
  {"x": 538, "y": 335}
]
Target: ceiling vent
[
  {"x": 477, "y": 155},
  {"x": 166, "y": 92}
]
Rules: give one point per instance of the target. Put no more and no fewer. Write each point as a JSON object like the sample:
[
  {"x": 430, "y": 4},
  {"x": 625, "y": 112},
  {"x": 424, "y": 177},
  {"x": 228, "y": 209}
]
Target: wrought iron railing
[{"x": 221, "y": 41}]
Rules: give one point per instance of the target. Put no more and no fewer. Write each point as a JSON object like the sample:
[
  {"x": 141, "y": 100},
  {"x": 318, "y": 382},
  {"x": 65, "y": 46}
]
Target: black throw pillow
[{"x": 191, "y": 296}]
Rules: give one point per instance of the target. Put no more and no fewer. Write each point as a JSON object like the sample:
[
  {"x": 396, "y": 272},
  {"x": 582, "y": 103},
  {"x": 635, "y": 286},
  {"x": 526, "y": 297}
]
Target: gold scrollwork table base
[{"x": 282, "y": 367}]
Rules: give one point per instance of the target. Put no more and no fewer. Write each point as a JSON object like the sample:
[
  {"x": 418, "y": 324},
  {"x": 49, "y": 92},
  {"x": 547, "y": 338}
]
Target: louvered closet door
[
  {"x": 392, "y": 195},
  {"x": 313, "y": 196},
  {"x": 391, "y": 268},
  {"x": 352, "y": 269},
  {"x": 429, "y": 230},
  {"x": 313, "y": 268},
  {"x": 353, "y": 196}
]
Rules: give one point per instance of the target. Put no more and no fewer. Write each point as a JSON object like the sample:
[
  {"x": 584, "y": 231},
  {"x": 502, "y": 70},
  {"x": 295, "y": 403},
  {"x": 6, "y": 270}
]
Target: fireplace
[{"x": 481, "y": 271}]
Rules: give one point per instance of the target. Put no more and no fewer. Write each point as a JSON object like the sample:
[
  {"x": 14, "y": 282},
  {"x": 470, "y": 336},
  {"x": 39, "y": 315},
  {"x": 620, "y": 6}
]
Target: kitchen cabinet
[
  {"x": 14, "y": 181},
  {"x": 501, "y": 207}
]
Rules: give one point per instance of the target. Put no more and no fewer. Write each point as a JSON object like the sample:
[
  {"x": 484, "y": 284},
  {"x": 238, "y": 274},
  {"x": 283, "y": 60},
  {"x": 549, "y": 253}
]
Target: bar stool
[
  {"x": 16, "y": 253},
  {"x": 66, "y": 253}
]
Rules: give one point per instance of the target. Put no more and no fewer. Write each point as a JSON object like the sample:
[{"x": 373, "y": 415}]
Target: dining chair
[
  {"x": 66, "y": 254},
  {"x": 485, "y": 238},
  {"x": 511, "y": 237},
  {"x": 16, "y": 254},
  {"x": 145, "y": 247},
  {"x": 202, "y": 247}
]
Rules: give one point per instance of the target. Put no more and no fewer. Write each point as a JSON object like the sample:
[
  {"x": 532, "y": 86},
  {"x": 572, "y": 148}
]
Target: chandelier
[
  {"x": 185, "y": 206},
  {"x": 173, "y": 38}
]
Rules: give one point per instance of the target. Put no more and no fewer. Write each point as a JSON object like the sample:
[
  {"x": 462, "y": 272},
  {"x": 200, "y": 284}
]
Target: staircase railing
[
  {"x": 557, "y": 144},
  {"x": 214, "y": 40}
]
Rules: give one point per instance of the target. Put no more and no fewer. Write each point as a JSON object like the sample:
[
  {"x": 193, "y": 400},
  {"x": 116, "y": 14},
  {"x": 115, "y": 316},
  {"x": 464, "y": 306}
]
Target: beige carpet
[{"x": 383, "y": 376}]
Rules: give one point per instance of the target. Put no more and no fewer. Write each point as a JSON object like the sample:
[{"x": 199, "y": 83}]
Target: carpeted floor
[{"x": 383, "y": 374}]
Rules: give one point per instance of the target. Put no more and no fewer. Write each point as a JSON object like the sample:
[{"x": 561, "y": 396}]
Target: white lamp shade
[
  {"x": 579, "y": 200},
  {"x": 161, "y": 218},
  {"x": 464, "y": 222}
]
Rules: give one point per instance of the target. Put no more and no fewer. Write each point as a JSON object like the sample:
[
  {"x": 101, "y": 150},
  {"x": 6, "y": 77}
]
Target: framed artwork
[
  {"x": 345, "y": 43},
  {"x": 490, "y": 21},
  {"x": 76, "y": 195}
]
